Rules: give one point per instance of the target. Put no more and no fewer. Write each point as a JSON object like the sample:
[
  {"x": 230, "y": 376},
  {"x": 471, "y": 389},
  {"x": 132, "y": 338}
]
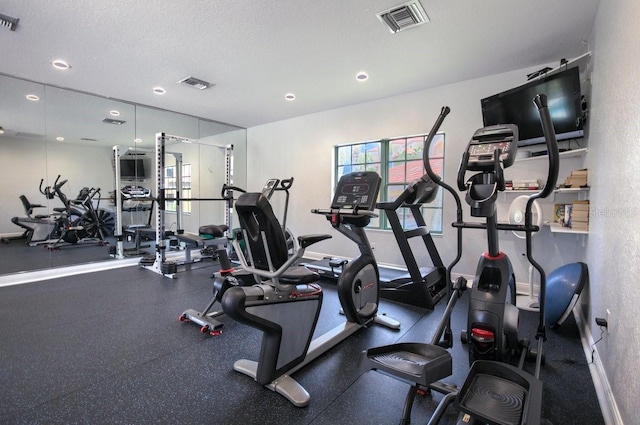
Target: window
[
  {"x": 399, "y": 162},
  {"x": 170, "y": 181}
]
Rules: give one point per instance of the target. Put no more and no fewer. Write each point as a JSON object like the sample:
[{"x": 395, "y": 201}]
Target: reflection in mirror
[
  {"x": 23, "y": 150},
  {"x": 135, "y": 205},
  {"x": 81, "y": 132},
  {"x": 150, "y": 121},
  {"x": 76, "y": 136},
  {"x": 191, "y": 222}
]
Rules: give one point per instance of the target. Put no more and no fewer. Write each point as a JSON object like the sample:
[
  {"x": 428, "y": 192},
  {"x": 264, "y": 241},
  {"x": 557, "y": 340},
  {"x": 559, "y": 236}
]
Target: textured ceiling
[{"x": 256, "y": 51}]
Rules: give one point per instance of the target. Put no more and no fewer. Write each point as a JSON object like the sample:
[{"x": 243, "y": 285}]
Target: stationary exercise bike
[
  {"x": 228, "y": 276},
  {"x": 271, "y": 186},
  {"x": 286, "y": 305}
]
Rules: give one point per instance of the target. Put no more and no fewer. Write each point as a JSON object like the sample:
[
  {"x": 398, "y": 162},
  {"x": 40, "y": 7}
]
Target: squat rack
[{"x": 160, "y": 264}]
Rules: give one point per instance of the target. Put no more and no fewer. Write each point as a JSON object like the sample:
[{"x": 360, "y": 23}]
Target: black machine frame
[
  {"x": 285, "y": 306},
  {"x": 425, "y": 286},
  {"x": 421, "y": 286},
  {"x": 517, "y": 395}
]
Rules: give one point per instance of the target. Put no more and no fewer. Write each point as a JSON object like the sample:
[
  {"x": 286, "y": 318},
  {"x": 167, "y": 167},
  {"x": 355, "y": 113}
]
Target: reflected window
[{"x": 171, "y": 188}]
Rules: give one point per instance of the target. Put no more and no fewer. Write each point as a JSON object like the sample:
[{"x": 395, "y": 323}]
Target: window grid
[
  {"x": 399, "y": 162},
  {"x": 170, "y": 182}
]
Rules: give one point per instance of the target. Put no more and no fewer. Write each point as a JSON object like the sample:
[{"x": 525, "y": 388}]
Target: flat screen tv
[
  {"x": 132, "y": 169},
  {"x": 516, "y": 106}
]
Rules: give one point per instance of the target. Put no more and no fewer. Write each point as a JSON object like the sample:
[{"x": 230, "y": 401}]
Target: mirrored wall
[{"x": 55, "y": 142}]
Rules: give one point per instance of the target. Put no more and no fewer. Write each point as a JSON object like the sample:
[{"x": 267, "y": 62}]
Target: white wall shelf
[
  {"x": 523, "y": 191},
  {"x": 557, "y": 228},
  {"x": 565, "y": 154},
  {"x": 572, "y": 189}
]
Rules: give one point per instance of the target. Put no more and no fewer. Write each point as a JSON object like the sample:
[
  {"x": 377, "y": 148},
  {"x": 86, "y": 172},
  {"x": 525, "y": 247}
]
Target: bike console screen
[{"x": 357, "y": 191}]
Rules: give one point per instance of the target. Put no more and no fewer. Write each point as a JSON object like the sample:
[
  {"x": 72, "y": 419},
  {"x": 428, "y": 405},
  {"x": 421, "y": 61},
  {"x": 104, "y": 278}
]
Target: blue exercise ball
[{"x": 563, "y": 288}]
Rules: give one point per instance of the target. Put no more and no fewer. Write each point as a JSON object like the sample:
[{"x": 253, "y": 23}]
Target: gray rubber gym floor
[{"x": 107, "y": 348}]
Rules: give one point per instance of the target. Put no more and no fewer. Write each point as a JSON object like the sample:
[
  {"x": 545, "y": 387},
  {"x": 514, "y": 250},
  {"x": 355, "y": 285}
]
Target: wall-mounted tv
[
  {"x": 132, "y": 169},
  {"x": 516, "y": 106}
]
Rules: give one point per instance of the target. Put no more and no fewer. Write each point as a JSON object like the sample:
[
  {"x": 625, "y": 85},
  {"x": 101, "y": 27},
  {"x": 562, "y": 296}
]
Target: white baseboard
[
  {"x": 607, "y": 401},
  {"x": 56, "y": 272}
]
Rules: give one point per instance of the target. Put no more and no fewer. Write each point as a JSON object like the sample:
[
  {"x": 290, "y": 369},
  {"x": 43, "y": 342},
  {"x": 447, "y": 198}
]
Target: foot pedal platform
[
  {"x": 412, "y": 362},
  {"x": 499, "y": 393}
]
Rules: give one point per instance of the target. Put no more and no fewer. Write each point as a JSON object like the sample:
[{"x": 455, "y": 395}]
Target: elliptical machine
[
  {"x": 493, "y": 392},
  {"x": 492, "y": 322}
]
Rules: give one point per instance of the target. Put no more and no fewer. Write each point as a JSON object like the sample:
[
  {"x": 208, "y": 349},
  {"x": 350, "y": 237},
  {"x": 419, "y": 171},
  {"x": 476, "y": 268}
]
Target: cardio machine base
[
  {"x": 207, "y": 321},
  {"x": 395, "y": 284}
]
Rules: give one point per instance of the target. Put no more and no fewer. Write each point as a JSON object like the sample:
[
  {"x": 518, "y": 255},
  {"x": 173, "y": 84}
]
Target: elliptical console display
[{"x": 488, "y": 140}]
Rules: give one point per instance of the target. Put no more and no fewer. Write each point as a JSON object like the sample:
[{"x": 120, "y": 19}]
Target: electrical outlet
[
  {"x": 608, "y": 320},
  {"x": 373, "y": 245}
]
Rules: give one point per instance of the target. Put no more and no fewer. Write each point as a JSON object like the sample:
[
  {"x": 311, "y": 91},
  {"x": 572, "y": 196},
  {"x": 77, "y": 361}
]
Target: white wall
[
  {"x": 92, "y": 166},
  {"x": 614, "y": 240},
  {"x": 302, "y": 147}
]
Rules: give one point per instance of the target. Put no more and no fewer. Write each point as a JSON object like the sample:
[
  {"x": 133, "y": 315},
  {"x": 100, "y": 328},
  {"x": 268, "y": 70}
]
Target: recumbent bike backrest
[{"x": 256, "y": 216}]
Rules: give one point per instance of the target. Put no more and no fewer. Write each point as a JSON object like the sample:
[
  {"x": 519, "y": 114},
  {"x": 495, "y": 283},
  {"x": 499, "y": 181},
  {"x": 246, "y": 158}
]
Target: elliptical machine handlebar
[
  {"x": 554, "y": 163},
  {"x": 427, "y": 165},
  {"x": 552, "y": 147},
  {"x": 444, "y": 336},
  {"x": 427, "y": 145}
]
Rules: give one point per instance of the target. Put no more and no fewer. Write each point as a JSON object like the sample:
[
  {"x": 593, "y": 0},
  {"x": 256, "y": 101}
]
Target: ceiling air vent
[
  {"x": 112, "y": 121},
  {"x": 195, "y": 83},
  {"x": 403, "y": 17},
  {"x": 9, "y": 22},
  {"x": 29, "y": 135}
]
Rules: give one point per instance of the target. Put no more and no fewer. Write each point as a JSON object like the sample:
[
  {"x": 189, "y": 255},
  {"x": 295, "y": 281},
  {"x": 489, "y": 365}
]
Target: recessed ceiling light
[
  {"x": 290, "y": 96},
  {"x": 60, "y": 64},
  {"x": 1, "y": 130},
  {"x": 32, "y": 97},
  {"x": 159, "y": 90},
  {"x": 137, "y": 140},
  {"x": 60, "y": 139},
  {"x": 115, "y": 113},
  {"x": 362, "y": 76}
]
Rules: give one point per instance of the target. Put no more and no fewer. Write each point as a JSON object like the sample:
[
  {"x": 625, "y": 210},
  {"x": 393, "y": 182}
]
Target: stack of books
[
  {"x": 578, "y": 178},
  {"x": 574, "y": 215},
  {"x": 527, "y": 184},
  {"x": 579, "y": 217}
]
